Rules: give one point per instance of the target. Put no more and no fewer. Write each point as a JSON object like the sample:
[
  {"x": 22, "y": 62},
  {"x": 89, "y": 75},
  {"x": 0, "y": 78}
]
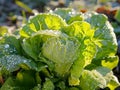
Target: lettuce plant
[{"x": 60, "y": 50}]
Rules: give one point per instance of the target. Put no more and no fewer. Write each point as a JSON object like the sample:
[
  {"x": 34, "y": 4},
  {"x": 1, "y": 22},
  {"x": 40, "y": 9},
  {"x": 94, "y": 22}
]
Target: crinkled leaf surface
[
  {"x": 12, "y": 62},
  {"x": 76, "y": 71},
  {"x": 32, "y": 45},
  {"x": 79, "y": 29},
  {"x": 63, "y": 52},
  {"x": 75, "y": 18},
  {"x": 105, "y": 38},
  {"x": 46, "y": 34},
  {"x": 91, "y": 80},
  {"x": 42, "y": 22},
  {"x": 109, "y": 79},
  {"x": 110, "y": 62},
  {"x": 48, "y": 85},
  {"x": 68, "y": 14},
  {"x": 83, "y": 32},
  {"x": 113, "y": 83},
  {"x": 64, "y": 13}
]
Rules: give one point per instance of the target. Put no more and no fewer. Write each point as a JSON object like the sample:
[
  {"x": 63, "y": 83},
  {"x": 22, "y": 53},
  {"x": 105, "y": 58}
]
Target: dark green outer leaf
[
  {"x": 68, "y": 14},
  {"x": 8, "y": 85},
  {"x": 12, "y": 62},
  {"x": 9, "y": 45},
  {"x": 31, "y": 46},
  {"x": 48, "y": 85},
  {"x": 15, "y": 42},
  {"x": 11, "y": 84},
  {"x": 117, "y": 15},
  {"x": 64, "y": 13},
  {"x": 105, "y": 38}
]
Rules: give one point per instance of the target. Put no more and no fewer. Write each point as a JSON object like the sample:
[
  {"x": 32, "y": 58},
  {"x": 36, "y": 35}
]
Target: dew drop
[
  {"x": 7, "y": 46},
  {"x": 24, "y": 61}
]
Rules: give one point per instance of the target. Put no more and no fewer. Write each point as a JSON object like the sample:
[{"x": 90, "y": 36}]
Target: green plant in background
[
  {"x": 116, "y": 24},
  {"x": 60, "y": 50},
  {"x": 21, "y": 4},
  {"x": 3, "y": 30},
  {"x": 117, "y": 15}
]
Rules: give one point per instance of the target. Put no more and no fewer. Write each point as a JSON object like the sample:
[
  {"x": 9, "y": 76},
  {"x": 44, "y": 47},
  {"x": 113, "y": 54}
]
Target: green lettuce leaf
[
  {"x": 32, "y": 45},
  {"x": 61, "y": 85},
  {"x": 42, "y": 22},
  {"x": 104, "y": 36},
  {"x": 114, "y": 83},
  {"x": 9, "y": 85},
  {"x": 9, "y": 44},
  {"x": 110, "y": 62},
  {"x": 75, "y": 18},
  {"x": 46, "y": 34},
  {"x": 14, "y": 42},
  {"x": 111, "y": 80},
  {"x": 68, "y": 14},
  {"x": 76, "y": 71},
  {"x": 38, "y": 87},
  {"x": 83, "y": 32},
  {"x": 48, "y": 85},
  {"x": 25, "y": 78},
  {"x": 91, "y": 80},
  {"x": 12, "y": 63},
  {"x": 79, "y": 29},
  {"x": 99, "y": 77},
  {"x": 65, "y": 13},
  {"x": 117, "y": 15},
  {"x": 73, "y": 88},
  {"x": 63, "y": 52}
]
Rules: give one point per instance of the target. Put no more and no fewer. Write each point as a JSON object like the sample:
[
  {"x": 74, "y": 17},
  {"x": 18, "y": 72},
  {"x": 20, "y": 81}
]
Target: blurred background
[{"x": 15, "y": 13}]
